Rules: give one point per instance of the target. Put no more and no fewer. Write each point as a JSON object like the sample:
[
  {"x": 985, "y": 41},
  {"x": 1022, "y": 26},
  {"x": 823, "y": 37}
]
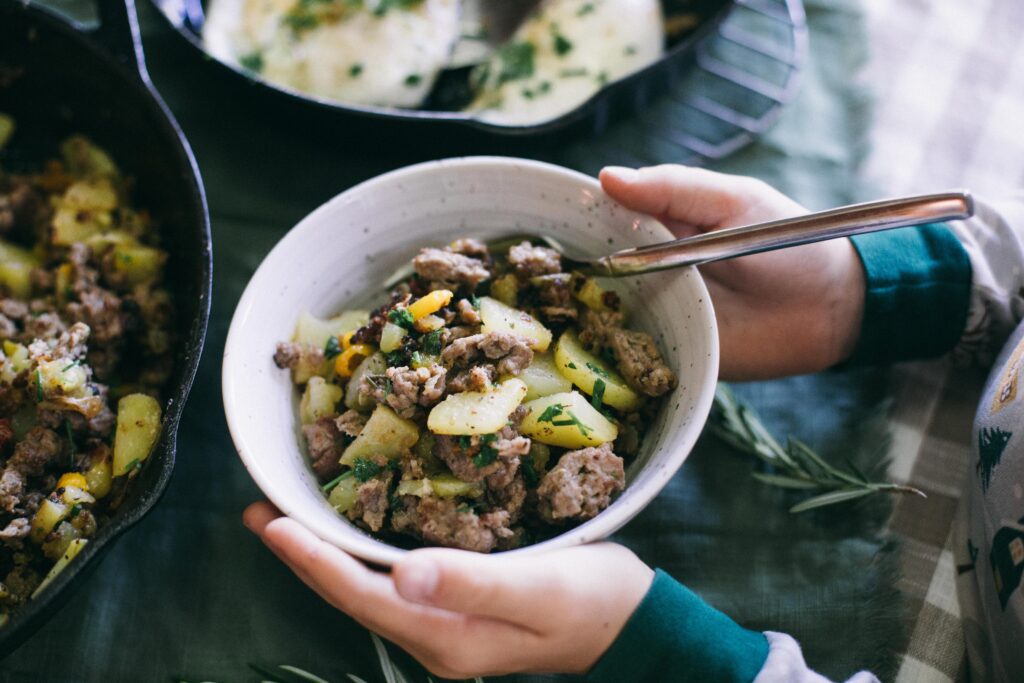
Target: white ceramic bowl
[{"x": 339, "y": 256}]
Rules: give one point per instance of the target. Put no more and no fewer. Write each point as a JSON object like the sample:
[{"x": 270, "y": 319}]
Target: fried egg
[
  {"x": 372, "y": 52},
  {"x": 564, "y": 53}
]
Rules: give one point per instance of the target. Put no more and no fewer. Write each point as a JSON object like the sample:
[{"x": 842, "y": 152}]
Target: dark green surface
[{"x": 189, "y": 591}]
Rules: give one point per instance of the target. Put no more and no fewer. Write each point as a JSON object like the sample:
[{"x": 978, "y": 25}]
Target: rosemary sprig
[{"x": 795, "y": 465}]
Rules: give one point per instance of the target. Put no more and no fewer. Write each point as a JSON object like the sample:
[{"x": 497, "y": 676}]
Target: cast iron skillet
[
  {"x": 56, "y": 79},
  {"x": 616, "y": 100}
]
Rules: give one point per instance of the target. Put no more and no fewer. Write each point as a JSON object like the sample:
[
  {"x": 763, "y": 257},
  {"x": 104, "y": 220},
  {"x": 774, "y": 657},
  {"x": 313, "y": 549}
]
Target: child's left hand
[{"x": 462, "y": 614}]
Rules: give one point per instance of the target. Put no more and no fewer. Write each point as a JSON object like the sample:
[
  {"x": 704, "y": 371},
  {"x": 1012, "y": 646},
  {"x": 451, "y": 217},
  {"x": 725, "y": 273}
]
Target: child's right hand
[{"x": 785, "y": 312}]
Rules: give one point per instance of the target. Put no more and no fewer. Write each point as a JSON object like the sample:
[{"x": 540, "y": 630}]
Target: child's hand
[
  {"x": 791, "y": 311},
  {"x": 462, "y": 614}
]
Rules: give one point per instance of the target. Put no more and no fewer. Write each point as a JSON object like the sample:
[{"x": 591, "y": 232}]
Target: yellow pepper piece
[
  {"x": 346, "y": 339},
  {"x": 430, "y": 303},
  {"x": 73, "y": 479},
  {"x": 350, "y": 358}
]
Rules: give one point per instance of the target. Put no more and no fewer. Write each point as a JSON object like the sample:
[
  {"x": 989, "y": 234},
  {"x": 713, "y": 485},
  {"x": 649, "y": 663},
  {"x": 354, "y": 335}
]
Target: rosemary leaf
[
  {"x": 830, "y": 498},
  {"x": 784, "y": 482}
]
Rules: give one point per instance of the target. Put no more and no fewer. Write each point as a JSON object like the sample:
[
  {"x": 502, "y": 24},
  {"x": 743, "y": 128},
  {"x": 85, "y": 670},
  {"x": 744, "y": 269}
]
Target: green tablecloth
[{"x": 190, "y": 593}]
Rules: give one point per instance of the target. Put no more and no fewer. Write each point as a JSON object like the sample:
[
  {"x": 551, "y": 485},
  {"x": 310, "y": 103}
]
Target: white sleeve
[
  {"x": 785, "y": 664},
  {"x": 994, "y": 241}
]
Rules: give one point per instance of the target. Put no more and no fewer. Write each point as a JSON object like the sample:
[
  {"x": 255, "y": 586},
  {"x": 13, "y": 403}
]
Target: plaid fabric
[{"x": 950, "y": 83}]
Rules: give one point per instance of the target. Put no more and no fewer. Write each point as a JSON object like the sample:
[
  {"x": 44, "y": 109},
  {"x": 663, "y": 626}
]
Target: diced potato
[
  {"x": 310, "y": 365},
  {"x": 100, "y": 474},
  {"x": 93, "y": 194},
  {"x": 310, "y": 329},
  {"x": 74, "y": 547},
  {"x": 49, "y": 515},
  {"x": 344, "y": 494},
  {"x": 374, "y": 365},
  {"x": 385, "y": 436},
  {"x": 472, "y": 412},
  {"x": 318, "y": 400},
  {"x": 506, "y": 289},
  {"x": 17, "y": 360},
  {"x": 391, "y": 337},
  {"x": 138, "y": 426},
  {"x": 542, "y": 377},
  {"x": 62, "y": 378},
  {"x": 16, "y": 266},
  {"x": 593, "y": 295},
  {"x": 567, "y": 420},
  {"x": 72, "y": 224},
  {"x": 83, "y": 158},
  {"x": 75, "y": 496},
  {"x": 497, "y": 317},
  {"x": 138, "y": 264},
  {"x": 428, "y": 324},
  {"x": 6, "y": 129},
  {"x": 585, "y": 369},
  {"x": 58, "y": 540},
  {"x": 449, "y": 486},
  {"x": 442, "y": 486}
]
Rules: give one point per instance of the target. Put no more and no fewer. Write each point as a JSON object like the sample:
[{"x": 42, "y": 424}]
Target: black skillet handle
[{"x": 119, "y": 33}]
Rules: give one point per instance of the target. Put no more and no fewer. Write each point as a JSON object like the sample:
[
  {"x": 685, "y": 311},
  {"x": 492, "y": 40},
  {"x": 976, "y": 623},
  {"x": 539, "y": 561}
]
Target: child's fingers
[
  {"x": 453, "y": 644},
  {"x": 516, "y": 590},
  {"x": 692, "y": 196},
  {"x": 258, "y": 515}
]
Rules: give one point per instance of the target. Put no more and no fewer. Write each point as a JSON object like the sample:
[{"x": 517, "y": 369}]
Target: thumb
[
  {"x": 506, "y": 588},
  {"x": 679, "y": 194}
]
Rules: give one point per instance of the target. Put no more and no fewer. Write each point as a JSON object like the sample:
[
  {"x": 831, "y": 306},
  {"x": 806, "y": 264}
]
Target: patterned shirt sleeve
[{"x": 994, "y": 242}]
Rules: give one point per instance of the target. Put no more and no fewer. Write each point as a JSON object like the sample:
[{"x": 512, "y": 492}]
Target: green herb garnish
[
  {"x": 465, "y": 442},
  {"x": 597, "y": 397},
  {"x": 412, "y": 80},
  {"x": 562, "y": 45},
  {"x": 364, "y": 470},
  {"x": 597, "y": 369},
  {"x": 252, "y": 61},
  {"x": 39, "y": 386},
  {"x": 329, "y": 486},
  {"x": 488, "y": 453},
  {"x": 571, "y": 365},
  {"x": 573, "y": 73},
  {"x": 73, "y": 451},
  {"x": 432, "y": 343},
  {"x": 331, "y": 348},
  {"x": 529, "y": 471},
  {"x": 516, "y": 61},
  {"x": 573, "y": 420},
  {"x": 355, "y": 70},
  {"x": 630, "y": 50},
  {"x": 585, "y": 10},
  {"x": 401, "y": 317},
  {"x": 551, "y": 412},
  {"x": 396, "y": 359}
]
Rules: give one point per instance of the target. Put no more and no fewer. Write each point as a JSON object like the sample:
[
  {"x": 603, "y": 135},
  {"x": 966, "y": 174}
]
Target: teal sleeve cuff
[
  {"x": 676, "y": 636},
  {"x": 918, "y": 292}
]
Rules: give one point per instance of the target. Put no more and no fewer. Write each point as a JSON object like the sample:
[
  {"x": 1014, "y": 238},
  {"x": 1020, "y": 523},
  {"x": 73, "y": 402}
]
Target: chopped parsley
[
  {"x": 384, "y": 5},
  {"x": 630, "y": 50},
  {"x": 252, "y": 61},
  {"x": 355, "y": 70},
  {"x": 602, "y": 77},
  {"x": 474, "y": 301},
  {"x": 488, "y": 453},
  {"x": 557, "y": 410},
  {"x": 516, "y": 61},
  {"x": 432, "y": 343},
  {"x": 69, "y": 366},
  {"x": 529, "y": 471},
  {"x": 585, "y": 10},
  {"x": 39, "y": 386},
  {"x": 465, "y": 442},
  {"x": 551, "y": 412},
  {"x": 401, "y": 317},
  {"x": 571, "y": 365},
  {"x": 597, "y": 397},
  {"x": 416, "y": 359},
  {"x": 573, "y": 73},
  {"x": 300, "y": 20},
  {"x": 562, "y": 45},
  {"x": 597, "y": 369},
  {"x": 412, "y": 80},
  {"x": 331, "y": 348},
  {"x": 396, "y": 359},
  {"x": 543, "y": 87},
  {"x": 364, "y": 470},
  {"x": 76, "y": 510},
  {"x": 329, "y": 486}
]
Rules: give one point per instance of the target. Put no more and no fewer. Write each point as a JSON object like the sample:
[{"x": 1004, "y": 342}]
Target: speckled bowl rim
[{"x": 379, "y": 552}]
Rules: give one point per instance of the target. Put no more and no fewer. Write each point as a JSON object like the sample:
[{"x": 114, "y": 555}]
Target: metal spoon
[{"x": 845, "y": 221}]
